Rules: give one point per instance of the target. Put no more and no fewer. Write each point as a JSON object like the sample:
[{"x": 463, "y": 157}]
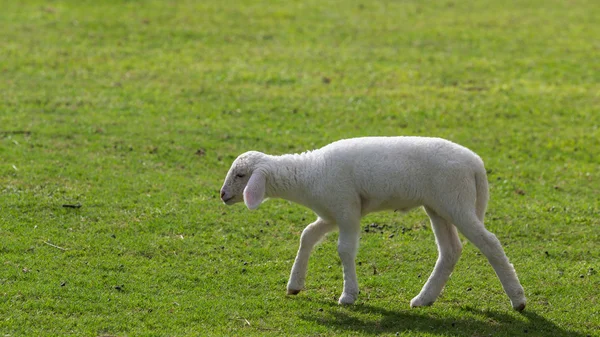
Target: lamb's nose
[{"x": 222, "y": 194}]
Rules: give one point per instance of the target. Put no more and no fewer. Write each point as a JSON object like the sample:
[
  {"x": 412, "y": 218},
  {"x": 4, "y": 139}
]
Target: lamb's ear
[{"x": 254, "y": 193}]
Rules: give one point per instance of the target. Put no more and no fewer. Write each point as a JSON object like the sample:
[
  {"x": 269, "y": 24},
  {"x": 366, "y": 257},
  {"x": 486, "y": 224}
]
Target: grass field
[{"x": 135, "y": 109}]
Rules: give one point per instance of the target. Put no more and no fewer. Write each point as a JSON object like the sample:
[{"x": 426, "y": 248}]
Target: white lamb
[{"x": 347, "y": 179}]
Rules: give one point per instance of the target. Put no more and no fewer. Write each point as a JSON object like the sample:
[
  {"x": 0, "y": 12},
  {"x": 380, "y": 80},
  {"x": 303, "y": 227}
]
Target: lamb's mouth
[{"x": 226, "y": 201}]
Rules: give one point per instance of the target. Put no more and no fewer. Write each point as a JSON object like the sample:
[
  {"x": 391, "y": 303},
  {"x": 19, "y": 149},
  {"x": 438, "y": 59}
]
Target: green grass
[{"x": 135, "y": 110}]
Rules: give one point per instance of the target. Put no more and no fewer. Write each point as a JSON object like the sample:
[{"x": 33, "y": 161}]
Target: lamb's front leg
[
  {"x": 347, "y": 250},
  {"x": 312, "y": 234}
]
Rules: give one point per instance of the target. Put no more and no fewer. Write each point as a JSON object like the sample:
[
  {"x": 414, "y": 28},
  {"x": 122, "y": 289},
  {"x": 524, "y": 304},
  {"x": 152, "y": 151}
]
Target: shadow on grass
[{"x": 360, "y": 318}]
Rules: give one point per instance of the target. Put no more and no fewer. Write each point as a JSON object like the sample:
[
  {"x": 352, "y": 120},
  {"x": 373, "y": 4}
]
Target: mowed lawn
[{"x": 132, "y": 111}]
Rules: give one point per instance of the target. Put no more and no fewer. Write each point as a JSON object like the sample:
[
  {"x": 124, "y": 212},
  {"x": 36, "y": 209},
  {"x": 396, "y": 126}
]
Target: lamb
[{"x": 347, "y": 179}]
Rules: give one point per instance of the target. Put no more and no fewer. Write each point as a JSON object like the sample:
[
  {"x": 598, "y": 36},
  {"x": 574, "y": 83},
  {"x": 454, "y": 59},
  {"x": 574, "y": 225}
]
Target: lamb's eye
[{"x": 240, "y": 175}]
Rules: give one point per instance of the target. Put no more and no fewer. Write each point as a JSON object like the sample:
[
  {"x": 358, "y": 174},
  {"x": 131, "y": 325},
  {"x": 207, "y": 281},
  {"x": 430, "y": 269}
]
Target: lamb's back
[{"x": 396, "y": 167}]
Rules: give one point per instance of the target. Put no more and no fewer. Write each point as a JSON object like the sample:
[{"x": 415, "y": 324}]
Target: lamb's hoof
[
  {"x": 347, "y": 299},
  {"x": 519, "y": 306},
  {"x": 293, "y": 291},
  {"x": 419, "y": 302}
]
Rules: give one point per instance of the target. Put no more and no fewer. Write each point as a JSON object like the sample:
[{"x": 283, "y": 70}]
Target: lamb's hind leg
[
  {"x": 489, "y": 245},
  {"x": 312, "y": 234},
  {"x": 449, "y": 249}
]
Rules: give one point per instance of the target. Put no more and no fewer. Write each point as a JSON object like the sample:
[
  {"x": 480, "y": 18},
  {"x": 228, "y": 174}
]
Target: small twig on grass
[
  {"x": 247, "y": 322},
  {"x": 55, "y": 246},
  {"x": 268, "y": 329}
]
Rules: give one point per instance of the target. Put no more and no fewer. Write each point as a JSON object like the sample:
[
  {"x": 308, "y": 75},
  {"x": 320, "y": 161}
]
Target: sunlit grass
[{"x": 135, "y": 110}]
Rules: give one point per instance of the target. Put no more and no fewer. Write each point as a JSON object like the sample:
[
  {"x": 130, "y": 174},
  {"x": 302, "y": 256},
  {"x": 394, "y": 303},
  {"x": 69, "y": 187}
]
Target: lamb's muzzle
[{"x": 348, "y": 179}]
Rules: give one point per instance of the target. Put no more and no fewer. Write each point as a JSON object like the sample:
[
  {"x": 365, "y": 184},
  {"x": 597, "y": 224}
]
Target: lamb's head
[{"x": 246, "y": 180}]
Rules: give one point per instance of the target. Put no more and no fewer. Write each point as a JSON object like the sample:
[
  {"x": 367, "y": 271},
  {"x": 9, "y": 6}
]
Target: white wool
[{"x": 347, "y": 179}]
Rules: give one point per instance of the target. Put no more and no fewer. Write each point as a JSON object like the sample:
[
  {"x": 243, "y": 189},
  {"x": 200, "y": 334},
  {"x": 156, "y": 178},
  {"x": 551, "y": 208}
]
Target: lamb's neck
[{"x": 290, "y": 177}]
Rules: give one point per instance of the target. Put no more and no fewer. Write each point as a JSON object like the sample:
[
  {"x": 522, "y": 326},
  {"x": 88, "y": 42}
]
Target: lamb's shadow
[{"x": 475, "y": 323}]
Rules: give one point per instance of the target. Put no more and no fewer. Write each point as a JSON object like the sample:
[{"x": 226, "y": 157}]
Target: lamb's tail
[{"x": 481, "y": 187}]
